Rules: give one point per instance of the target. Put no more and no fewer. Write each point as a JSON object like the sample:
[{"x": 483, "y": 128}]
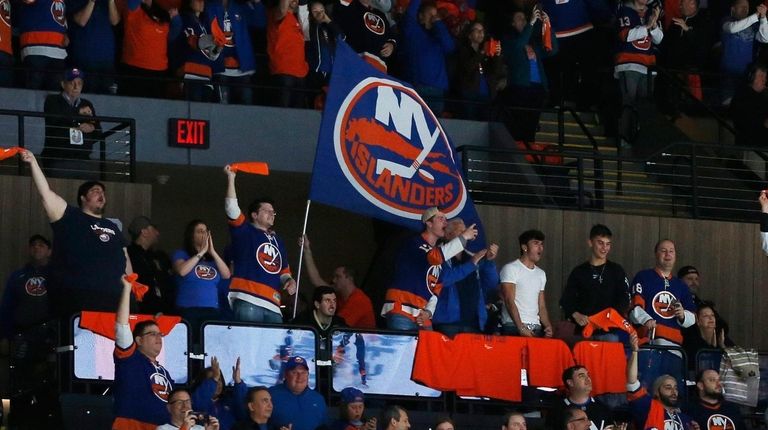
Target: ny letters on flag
[{"x": 381, "y": 151}]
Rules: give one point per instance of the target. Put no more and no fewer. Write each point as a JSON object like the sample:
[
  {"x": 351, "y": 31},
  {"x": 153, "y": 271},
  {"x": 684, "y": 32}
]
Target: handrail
[{"x": 121, "y": 123}]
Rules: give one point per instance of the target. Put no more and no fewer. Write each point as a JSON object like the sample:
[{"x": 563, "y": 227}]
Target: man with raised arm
[
  {"x": 142, "y": 385},
  {"x": 89, "y": 255},
  {"x": 261, "y": 263},
  {"x": 659, "y": 409},
  {"x": 353, "y": 304}
]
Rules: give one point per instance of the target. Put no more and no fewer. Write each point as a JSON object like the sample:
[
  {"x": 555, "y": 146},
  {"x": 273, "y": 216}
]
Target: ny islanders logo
[
  {"x": 374, "y": 23},
  {"x": 58, "y": 11},
  {"x": 35, "y": 286},
  {"x": 5, "y": 12},
  {"x": 433, "y": 275},
  {"x": 663, "y": 304},
  {"x": 269, "y": 258},
  {"x": 205, "y": 272},
  {"x": 394, "y": 152},
  {"x": 719, "y": 422},
  {"x": 161, "y": 385}
]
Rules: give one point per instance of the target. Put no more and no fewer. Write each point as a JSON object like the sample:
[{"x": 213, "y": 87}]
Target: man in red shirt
[
  {"x": 285, "y": 48},
  {"x": 353, "y": 304}
]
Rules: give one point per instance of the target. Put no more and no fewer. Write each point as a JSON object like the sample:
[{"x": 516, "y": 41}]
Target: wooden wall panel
[{"x": 759, "y": 310}]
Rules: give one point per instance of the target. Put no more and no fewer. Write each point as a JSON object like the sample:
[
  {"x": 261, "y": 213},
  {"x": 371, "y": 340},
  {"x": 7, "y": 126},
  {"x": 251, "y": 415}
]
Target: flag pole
[{"x": 301, "y": 258}]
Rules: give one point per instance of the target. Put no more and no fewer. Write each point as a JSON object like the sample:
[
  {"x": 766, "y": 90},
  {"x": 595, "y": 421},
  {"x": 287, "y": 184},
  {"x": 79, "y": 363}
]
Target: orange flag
[
  {"x": 137, "y": 288},
  {"x": 9, "y": 152},
  {"x": 255, "y": 167}
]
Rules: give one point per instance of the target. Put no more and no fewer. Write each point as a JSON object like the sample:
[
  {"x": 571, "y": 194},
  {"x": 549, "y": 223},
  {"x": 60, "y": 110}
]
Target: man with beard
[
  {"x": 411, "y": 299},
  {"x": 522, "y": 289},
  {"x": 710, "y": 411},
  {"x": 90, "y": 257},
  {"x": 659, "y": 408}
]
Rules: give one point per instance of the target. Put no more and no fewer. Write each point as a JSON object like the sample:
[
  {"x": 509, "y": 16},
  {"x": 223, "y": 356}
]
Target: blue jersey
[
  {"x": 199, "y": 287},
  {"x": 650, "y": 414},
  {"x": 656, "y": 295},
  {"x": 568, "y": 17},
  {"x": 42, "y": 26},
  {"x": 260, "y": 265}
]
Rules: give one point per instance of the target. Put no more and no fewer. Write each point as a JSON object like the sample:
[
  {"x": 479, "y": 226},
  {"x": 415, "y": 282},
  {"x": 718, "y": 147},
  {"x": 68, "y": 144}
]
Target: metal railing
[
  {"x": 114, "y": 145},
  {"x": 694, "y": 180}
]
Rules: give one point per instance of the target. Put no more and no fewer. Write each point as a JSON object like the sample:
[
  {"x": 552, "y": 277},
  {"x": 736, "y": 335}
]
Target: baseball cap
[
  {"x": 73, "y": 73},
  {"x": 352, "y": 395},
  {"x": 429, "y": 214},
  {"x": 138, "y": 224},
  {"x": 686, "y": 270},
  {"x": 39, "y": 237},
  {"x": 295, "y": 362}
]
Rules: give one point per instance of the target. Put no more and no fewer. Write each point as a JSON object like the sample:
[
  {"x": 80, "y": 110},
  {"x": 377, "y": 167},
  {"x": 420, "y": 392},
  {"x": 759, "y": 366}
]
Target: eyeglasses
[
  {"x": 270, "y": 212},
  {"x": 153, "y": 334},
  {"x": 183, "y": 401}
]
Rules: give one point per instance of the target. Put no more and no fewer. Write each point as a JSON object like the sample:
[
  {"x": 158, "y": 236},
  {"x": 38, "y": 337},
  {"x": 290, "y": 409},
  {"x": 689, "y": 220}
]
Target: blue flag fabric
[{"x": 381, "y": 151}]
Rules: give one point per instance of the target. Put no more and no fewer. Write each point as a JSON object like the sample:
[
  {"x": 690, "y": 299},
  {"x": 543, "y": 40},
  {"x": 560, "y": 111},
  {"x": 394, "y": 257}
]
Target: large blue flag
[{"x": 381, "y": 151}]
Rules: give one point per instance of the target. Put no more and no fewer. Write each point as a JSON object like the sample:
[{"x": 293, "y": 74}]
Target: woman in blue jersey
[{"x": 198, "y": 268}]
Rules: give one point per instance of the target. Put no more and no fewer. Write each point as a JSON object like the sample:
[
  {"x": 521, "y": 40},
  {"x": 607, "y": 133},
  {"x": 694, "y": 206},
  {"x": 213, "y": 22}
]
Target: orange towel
[
  {"x": 9, "y": 152},
  {"x": 546, "y": 35},
  {"x": 138, "y": 289},
  {"x": 605, "y": 319},
  {"x": 255, "y": 167}
]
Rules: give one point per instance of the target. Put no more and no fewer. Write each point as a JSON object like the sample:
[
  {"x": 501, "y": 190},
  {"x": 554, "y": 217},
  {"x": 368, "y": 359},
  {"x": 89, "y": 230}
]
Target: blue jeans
[
  {"x": 401, "y": 322},
  {"x": 249, "y": 312}
]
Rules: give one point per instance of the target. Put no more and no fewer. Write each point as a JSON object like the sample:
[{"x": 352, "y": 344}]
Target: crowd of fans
[
  {"x": 437, "y": 284},
  {"x": 520, "y": 53}
]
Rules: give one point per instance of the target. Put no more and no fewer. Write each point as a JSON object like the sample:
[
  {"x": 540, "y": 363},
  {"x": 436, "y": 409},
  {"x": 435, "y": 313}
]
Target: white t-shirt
[{"x": 528, "y": 284}]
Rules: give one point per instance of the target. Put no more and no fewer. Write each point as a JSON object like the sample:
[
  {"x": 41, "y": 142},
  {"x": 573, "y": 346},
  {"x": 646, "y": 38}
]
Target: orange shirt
[
  {"x": 547, "y": 359},
  {"x": 606, "y": 364},
  {"x": 145, "y": 41},
  {"x": 357, "y": 310},
  {"x": 285, "y": 45}
]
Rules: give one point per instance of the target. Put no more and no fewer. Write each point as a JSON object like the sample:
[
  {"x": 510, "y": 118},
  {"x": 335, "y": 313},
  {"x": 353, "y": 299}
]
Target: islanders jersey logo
[
  {"x": 205, "y": 273},
  {"x": 719, "y": 422},
  {"x": 269, "y": 258},
  {"x": 161, "y": 385},
  {"x": 432, "y": 280},
  {"x": 5, "y": 12},
  {"x": 394, "y": 152},
  {"x": 58, "y": 12},
  {"x": 663, "y": 304},
  {"x": 374, "y": 23},
  {"x": 35, "y": 286}
]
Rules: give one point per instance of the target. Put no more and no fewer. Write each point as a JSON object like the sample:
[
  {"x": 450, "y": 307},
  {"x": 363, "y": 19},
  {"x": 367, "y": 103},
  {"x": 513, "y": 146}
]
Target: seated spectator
[
  {"x": 578, "y": 386},
  {"x": 704, "y": 335},
  {"x": 660, "y": 406},
  {"x": 199, "y": 269},
  {"x": 575, "y": 418},
  {"x": 709, "y": 409},
  {"x": 25, "y": 298},
  {"x": 323, "y": 32},
  {"x": 42, "y": 29},
  {"x": 749, "y": 109},
  {"x": 6, "y": 47},
  {"x": 738, "y": 36},
  {"x": 152, "y": 265},
  {"x": 69, "y": 135},
  {"x": 211, "y": 395},
  {"x": 639, "y": 35},
  {"x": 92, "y": 41},
  {"x": 197, "y": 51},
  {"x": 426, "y": 43},
  {"x": 367, "y": 29},
  {"x": 522, "y": 288},
  {"x": 524, "y": 50},
  {"x": 238, "y": 19},
  {"x": 395, "y": 418},
  {"x": 322, "y": 317},
  {"x": 147, "y": 31},
  {"x": 142, "y": 385},
  {"x": 353, "y": 305},
  {"x": 296, "y": 406},
  {"x": 285, "y": 48},
  {"x": 481, "y": 73},
  {"x": 184, "y": 417},
  {"x": 259, "y": 410},
  {"x": 445, "y": 423},
  {"x": 692, "y": 278},
  {"x": 351, "y": 409},
  {"x": 514, "y": 421}
]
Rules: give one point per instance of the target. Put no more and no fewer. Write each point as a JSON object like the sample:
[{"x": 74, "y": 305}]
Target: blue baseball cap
[
  {"x": 73, "y": 73},
  {"x": 295, "y": 362},
  {"x": 352, "y": 395}
]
